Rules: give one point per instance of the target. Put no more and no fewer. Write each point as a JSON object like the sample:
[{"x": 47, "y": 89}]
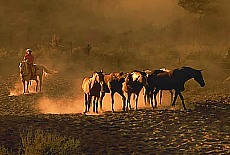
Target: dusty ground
[{"x": 203, "y": 129}]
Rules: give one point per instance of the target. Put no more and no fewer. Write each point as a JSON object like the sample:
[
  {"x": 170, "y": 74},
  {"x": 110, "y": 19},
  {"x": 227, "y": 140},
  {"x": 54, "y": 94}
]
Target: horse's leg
[
  {"x": 161, "y": 93},
  {"x": 94, "y": 98},
  {"x": 24, "y": 86},
  {"x": 112, "y": 99},
  {"x": 27, "y": 86},
  {"x": 145, "y": 96},
  {"x": 128, "y": 102},
  {"x": 182, "y": 100},
  {"x": 36, "y": 85},
  {"x": 86, "y": 102},
  {"x": 175, "y": 98},
  {"x": 93, "y": 103},
  {"x": 151, "y": 98},
  {"x": 123, "y": 100},
  {"x": 155, "y": 97},
  {"x": 136, "y": 100},
  {"x": 89, "y": 102},
  {"x": 96, "y": 104},
  {"x": 171, "y": 92},
  {"x": 101, "y": 99},
  {"x": 40, "y": 82}
]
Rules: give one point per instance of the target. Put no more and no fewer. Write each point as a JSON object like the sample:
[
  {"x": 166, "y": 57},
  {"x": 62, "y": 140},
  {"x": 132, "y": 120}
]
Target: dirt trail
[{"x": 204, "y": 129}]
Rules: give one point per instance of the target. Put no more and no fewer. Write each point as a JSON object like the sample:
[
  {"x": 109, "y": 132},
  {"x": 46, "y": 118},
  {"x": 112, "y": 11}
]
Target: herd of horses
[{"x": 126, "y": 84}]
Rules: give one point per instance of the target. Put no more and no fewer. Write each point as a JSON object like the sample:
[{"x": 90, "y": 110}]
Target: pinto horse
[
  {"x": 133, "y": 84},
  {"x": 92, "y": 87},
  {"x": 26, "y": 75},
  {"x": 113, "y": 84},
  {"x": 175, "y": 79}
]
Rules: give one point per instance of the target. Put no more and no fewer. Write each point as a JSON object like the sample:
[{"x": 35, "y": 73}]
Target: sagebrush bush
[
  {"x": 41, "y": 143},
  {"x": 4, "y": 150}
]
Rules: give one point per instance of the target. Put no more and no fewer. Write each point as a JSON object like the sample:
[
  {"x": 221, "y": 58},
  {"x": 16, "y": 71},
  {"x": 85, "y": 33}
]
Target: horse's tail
[
  {"x": 228, "y": 78},
  {"x": 48, "y": 71}
]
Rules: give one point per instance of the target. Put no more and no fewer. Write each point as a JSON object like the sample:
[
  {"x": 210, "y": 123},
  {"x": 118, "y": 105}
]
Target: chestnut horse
[
  {"x": 113, "y": 84},
  {"x": 26, "y": 75},
  {"x": 175, "y": 79}
]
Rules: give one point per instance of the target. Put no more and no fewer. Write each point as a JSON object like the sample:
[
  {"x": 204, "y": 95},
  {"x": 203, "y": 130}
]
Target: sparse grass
[
  {"x": 39, "y": 142},
  {"x": 4, "y": 150}
]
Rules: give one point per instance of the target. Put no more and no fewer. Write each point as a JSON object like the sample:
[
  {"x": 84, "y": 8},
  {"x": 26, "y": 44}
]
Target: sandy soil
[{"x": 58, "y": 108}]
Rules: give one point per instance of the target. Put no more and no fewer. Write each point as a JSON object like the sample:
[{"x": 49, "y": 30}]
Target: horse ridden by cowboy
[{"x": 29, "y": 58}]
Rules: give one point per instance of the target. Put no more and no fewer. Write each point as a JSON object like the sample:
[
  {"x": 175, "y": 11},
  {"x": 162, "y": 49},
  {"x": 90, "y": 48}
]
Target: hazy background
[{"x": 124, "y": 34}]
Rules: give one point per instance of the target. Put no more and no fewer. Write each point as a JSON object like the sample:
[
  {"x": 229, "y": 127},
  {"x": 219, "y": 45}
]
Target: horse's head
[
  {"x": 141, "y": 77},
  {"x": 23, "y": 68},
  {"x": 129, "y": 78},
  {"x": 99, "y": 78},
  {"x": 197, "y": 75}
]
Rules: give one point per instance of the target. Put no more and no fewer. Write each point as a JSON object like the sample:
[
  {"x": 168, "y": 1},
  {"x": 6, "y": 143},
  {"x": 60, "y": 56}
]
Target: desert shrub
[
  {"x": 4, "y": 150},
  {"x": 39, "y": 142}
]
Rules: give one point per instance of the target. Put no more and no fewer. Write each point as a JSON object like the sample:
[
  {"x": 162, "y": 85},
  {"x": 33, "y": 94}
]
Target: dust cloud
[
  {"x": 60, "y": 106},
  {"x": 18, "y": 88},
  {"x": 71, "y": 106}
]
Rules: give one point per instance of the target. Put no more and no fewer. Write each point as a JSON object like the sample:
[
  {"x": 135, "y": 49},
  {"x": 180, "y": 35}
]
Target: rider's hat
[{"x": 28, "y": 50}]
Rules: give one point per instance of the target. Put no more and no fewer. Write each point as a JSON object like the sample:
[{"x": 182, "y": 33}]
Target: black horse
[
  {"x": 162, "y": 80},
  {"x": 149, "y": 72}
]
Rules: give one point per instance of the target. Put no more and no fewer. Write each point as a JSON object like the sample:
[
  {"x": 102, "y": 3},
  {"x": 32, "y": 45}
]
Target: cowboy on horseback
[{"x": 29, "y": 58}]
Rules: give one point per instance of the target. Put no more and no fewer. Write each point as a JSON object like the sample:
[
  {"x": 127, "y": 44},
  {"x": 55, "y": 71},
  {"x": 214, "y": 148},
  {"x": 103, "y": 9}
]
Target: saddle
[
  {"x": 32, "y": 68},
  {"x": 167, "y": 74}
]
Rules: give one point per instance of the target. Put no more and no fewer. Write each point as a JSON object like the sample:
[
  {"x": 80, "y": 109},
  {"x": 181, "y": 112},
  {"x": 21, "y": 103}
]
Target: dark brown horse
[
  {"x": 149, "y": 72},
  {"x": 113, "y": 84},
  {"x": 161, "y": 80},
  {"x": 26, "y": 75},
  {"x": 92, "y": 87},
  {"x": 133, "y": 84}
]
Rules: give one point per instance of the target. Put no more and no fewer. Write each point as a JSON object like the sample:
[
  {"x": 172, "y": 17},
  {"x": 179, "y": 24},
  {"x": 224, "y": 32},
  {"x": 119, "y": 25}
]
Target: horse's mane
[
  {"x": 187, "y": 67},
  {"x": 143, "y": 73},
  {"x": 117, "y": 75}
]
